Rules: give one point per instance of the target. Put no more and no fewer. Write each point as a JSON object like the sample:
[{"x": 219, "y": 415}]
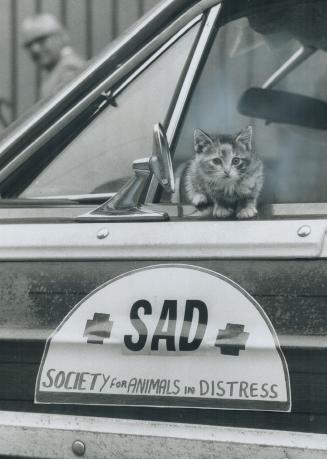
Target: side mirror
[
  {"x": 160, "y": 161},
  {"x": 127, "y": 202}
]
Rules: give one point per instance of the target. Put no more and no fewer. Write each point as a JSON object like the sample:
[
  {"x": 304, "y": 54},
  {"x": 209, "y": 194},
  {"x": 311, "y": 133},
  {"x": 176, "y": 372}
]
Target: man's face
[{"x": 45, "y": 51}]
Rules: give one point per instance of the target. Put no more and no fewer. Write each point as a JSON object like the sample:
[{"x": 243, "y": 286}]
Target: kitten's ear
[
  {"x": 201, "y": 141},
  {"x": 245, "y": 137}
]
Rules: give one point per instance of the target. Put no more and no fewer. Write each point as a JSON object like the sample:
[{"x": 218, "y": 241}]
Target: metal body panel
[
  {"x": 36, "y": 296},
  {"x": 47, "y": 267},
  {"x": 168, "y": 240},
  {"x": 25, "y": 434}
]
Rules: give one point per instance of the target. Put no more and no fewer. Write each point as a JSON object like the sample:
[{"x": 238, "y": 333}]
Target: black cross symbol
[
  {"x": 232, "y": 340},
  {"x": 98, "y": 328}
]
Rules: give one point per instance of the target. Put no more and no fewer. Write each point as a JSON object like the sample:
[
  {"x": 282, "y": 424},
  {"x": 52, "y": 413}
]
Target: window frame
[
  {"x": 103, "y": 94},
  {"x": 180, "y": 103}
]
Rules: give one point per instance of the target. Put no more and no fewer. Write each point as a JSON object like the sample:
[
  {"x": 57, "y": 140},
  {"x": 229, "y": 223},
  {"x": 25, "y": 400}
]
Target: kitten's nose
[{"x": 227, "y": 173}]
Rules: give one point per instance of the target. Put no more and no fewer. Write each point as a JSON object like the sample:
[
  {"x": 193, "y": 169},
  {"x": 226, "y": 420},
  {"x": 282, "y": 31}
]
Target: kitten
[{"x": 226, "y": 176}]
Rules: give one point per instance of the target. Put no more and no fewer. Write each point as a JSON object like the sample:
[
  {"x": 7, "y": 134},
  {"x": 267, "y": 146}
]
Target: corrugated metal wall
[{"x": 91, "y": 25}]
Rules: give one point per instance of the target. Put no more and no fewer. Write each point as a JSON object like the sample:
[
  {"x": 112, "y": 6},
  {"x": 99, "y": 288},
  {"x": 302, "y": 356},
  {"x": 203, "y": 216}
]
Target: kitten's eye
[
  {"x": 236, "y": 161},
  {"x": 216, "y": 161}
]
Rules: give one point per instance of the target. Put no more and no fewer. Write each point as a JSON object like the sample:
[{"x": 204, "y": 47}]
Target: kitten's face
[{"x": 223, "y": 157}]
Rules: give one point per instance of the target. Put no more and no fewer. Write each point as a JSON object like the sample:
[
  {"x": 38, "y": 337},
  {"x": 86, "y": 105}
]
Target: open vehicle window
[
  {"x": 246, "y": 53},
  {"x": 99, "y": 159}
]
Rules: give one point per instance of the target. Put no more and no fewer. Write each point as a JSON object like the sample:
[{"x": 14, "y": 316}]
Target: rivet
[
  {"x": 102, "y": 233},
  {"x": 78, "y": 448},
  {"x": 304, "y": 231}
]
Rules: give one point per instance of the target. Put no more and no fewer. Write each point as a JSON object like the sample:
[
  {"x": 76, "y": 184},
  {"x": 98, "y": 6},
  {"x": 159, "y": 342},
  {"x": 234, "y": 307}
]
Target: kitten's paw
[
  {"x": 199, "y": 200},
  {"x": 221, "y": 212},
  {"x": 247, "y": 212},
  {"x": 201, "y": 213}
]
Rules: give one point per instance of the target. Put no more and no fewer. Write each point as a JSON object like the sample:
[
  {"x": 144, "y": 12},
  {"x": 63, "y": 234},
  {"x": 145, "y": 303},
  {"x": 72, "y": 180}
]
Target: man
[{"x": 49, "y": 47}]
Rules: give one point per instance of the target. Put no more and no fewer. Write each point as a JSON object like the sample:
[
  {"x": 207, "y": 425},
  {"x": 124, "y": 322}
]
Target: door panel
[{"x": 35, "y": 296}]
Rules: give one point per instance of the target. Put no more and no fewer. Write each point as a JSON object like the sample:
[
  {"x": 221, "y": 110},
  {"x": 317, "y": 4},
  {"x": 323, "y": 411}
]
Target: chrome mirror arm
[
  {"x": 129, "y": 195},
  {"x": 125, "y": 205}
]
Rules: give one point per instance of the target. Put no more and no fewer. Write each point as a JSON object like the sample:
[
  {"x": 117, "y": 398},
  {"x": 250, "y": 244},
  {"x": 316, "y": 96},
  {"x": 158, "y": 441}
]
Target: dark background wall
[{"x": 92, "y": 24}]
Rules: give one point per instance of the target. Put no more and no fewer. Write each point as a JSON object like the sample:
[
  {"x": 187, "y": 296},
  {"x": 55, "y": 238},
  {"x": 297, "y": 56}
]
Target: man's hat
[{"x": 39, "y": 26}]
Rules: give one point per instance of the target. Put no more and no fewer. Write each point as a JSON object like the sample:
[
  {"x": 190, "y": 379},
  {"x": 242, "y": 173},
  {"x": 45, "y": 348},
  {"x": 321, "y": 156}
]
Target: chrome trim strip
[
  {"x": 52, "y": 436},
  {"x": 296, "y": 209},
  {"x": 168, "y": 240},
  {"x": 192, "y": 71},
  {"x": 91, "y": 197},
  {"x": 123, "y": 215},
  {"x": 157, "y": 54},
  {"x": 186, "y": 87}
]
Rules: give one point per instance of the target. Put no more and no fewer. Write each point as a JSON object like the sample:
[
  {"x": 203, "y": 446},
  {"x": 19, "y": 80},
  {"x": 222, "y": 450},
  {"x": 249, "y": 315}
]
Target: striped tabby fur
[{"x": 226, "y": 177}]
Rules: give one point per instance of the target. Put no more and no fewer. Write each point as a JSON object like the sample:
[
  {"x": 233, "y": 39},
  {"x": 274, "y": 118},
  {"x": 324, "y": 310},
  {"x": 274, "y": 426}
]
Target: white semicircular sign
[{"x": 166, "y": 335}]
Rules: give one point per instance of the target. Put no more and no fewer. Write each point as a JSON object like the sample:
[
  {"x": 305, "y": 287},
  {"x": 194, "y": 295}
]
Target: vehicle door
[
  {"x": 279, "y": 256},
  {"x": 51, "y": 263},
  {"x": 49, "y": 259}
]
